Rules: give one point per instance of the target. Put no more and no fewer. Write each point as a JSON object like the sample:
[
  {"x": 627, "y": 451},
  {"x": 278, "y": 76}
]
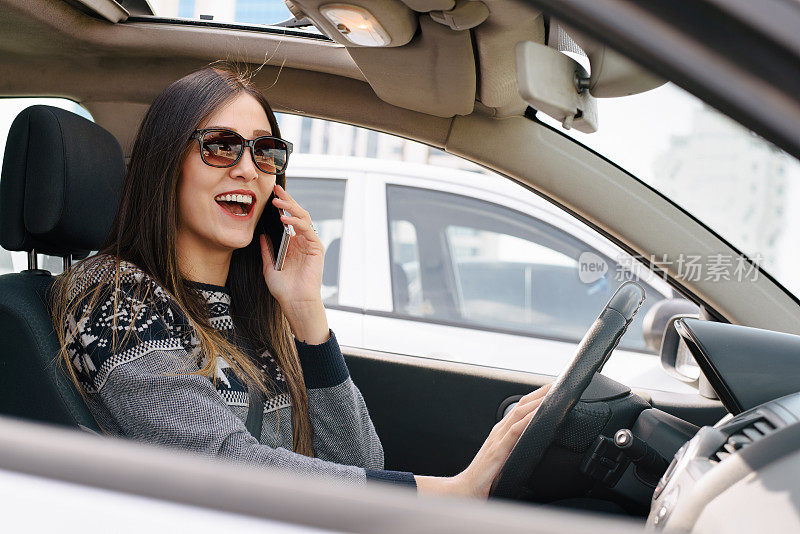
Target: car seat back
[{"x": 60, "y": 186}]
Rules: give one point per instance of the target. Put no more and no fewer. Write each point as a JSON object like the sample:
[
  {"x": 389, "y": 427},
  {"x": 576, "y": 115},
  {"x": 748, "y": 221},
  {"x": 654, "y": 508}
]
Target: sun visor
[
  {"x": 424, "y": 6},
  {"x": 494, "y": 44},
  {"x": 362, "y": 23},
  {"x": 442, "y": 82}
]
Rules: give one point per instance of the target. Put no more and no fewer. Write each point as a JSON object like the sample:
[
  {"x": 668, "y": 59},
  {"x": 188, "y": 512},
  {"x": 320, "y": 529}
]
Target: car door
[{"x": 475, "y": 275}]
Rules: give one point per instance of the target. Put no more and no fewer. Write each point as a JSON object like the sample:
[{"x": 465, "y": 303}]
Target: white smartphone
[{"x": 288, "y": 232}]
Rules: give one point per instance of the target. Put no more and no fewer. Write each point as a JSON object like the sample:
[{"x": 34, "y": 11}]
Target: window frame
[{"x": 260, "y": 28}]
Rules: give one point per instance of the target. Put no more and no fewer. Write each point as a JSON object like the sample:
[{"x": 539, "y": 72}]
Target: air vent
[{"x": 743, "y": 437}]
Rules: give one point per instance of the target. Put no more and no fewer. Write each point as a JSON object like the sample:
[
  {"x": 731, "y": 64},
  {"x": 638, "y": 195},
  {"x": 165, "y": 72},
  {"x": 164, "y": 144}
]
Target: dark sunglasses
[{"x": 223, "y": 148}]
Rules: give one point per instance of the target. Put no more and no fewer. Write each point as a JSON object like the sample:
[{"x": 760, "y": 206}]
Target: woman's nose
[{"x": 245, "y": 168}]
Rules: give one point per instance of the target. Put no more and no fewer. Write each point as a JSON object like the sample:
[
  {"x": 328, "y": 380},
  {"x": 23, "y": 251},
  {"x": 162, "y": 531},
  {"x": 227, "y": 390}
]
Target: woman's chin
[{"x": 235, "y": 242}]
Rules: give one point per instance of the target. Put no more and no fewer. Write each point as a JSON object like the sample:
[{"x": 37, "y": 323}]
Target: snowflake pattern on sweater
[{"x": 139, "y": 315}]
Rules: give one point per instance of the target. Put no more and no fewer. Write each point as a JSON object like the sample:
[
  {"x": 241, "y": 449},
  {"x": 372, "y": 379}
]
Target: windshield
[{"x": 738, "y": 184}]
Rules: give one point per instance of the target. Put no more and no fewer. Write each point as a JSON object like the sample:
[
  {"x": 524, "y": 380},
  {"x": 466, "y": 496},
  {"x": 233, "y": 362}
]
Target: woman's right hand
[{"x": 476, "y": 480}]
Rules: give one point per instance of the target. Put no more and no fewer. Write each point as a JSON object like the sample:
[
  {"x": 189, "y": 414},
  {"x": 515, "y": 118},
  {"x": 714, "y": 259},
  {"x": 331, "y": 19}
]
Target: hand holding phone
[{"x": 297, "y": 278}]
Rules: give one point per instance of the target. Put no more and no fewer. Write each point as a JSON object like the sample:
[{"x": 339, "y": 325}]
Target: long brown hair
[{"x": 144, "y": 234}]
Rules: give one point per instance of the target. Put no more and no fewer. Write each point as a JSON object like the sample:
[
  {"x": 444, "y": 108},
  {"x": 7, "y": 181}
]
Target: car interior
[{"x": 452, "y": 82}]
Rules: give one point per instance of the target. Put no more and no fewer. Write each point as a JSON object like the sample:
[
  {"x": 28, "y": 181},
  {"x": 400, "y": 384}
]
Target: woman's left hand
[
  {"x": 476, "y": 480},
  {"x": 300, "y": 280}
]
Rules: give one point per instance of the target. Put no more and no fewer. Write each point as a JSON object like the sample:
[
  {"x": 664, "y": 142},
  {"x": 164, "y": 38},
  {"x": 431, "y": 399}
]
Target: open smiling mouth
[{"x": 239, "y": 205}]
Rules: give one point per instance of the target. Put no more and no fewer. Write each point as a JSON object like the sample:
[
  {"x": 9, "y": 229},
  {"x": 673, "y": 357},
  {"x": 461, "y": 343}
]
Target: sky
[{"x": 634, "y": 130}]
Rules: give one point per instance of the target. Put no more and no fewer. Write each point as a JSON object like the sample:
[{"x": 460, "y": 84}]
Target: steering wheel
[{"x": 592, "y": 353}]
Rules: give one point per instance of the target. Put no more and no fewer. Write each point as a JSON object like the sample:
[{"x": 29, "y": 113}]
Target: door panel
[{"x": 432, "y": 416}]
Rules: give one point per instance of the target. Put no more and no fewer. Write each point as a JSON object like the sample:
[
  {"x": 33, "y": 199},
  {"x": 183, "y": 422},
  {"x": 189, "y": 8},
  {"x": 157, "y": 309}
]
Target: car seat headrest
[{"x": 61, "y": 183}]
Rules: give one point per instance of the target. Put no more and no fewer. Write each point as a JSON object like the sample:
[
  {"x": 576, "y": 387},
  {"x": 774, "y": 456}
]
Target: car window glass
[
  {"x": 737, "y": 183},
  {"x": 494, "y": 274},
  {"x": 406, "y": 286},
  {"x": 6, "y": 265},
  {"x": 9, "y": 109},
  {"x": 490, "y": 266},
  {"x": 323, "y": 199}
]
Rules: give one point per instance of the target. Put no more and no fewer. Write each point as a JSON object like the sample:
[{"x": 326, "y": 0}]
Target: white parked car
[{"x": 466, "y": 266}]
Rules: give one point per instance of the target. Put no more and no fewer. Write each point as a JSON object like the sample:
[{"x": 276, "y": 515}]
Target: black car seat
[{"x": 59, "y": 192}]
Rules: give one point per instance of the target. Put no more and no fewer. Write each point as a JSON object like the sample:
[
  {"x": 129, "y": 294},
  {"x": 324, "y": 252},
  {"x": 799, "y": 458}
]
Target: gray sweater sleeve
[{"x": 343, "y": 429}]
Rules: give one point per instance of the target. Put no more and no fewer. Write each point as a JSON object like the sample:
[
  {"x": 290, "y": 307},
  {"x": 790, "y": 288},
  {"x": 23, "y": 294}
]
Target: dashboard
[
  {"x": 741, "y": 475},
  {"x": 745, "y": 366}
]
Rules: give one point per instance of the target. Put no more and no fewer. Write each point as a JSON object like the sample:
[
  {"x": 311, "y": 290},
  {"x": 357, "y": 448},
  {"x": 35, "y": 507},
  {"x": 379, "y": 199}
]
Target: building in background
[
  {"x": 735, "y": 181},
  {"x": 316, "y": 136}
]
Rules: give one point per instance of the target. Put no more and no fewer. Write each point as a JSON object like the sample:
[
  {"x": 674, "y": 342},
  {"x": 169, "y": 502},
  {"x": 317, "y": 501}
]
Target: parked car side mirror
[{"x": 658, "y": 317}]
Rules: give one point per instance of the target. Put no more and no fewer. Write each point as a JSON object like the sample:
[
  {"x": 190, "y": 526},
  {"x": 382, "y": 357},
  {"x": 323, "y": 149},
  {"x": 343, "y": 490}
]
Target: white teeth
[{"x": 243, "y": 199}]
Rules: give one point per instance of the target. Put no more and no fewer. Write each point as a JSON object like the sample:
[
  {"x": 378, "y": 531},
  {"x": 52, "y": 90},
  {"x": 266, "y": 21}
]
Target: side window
[
  {"x": 475, "y": 263},
  {"x": 9, "y": 109},
  {"x": 324, "y": 200},
  {"x": 406, "y": 286}
]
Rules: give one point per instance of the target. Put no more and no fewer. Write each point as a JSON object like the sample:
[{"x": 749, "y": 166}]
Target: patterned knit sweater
[{"x": 143, "y": 389}]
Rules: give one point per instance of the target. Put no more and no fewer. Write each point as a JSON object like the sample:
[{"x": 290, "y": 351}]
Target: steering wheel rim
[{"x": 592, "y": 352}]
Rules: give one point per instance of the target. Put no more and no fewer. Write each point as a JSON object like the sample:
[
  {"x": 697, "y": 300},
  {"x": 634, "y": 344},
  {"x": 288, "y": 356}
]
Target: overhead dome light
[{"x": 356, "y": 24}]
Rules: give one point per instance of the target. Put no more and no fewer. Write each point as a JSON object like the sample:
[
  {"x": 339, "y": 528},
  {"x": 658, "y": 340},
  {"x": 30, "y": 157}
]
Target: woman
[{"x": 181, "y": 318}]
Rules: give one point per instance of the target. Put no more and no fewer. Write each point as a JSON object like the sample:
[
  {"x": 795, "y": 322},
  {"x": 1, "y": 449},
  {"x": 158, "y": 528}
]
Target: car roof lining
[
  {"x": 54, "y": 35},
  {"x": 454, "y": 69}
]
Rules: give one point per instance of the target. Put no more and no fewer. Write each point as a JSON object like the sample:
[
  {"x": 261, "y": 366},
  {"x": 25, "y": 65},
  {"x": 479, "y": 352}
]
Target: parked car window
[
  {"x": 406, "y": 286},
  {"x": 324, "y": 200},
  {"x": 9, "y": 109},
  {"x": 486, "y": 265}
]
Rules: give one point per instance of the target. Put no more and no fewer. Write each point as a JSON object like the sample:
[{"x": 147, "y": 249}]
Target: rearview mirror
[
  {"x": 549, "y": 81},
  {"x": 612, "y": 74}
]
